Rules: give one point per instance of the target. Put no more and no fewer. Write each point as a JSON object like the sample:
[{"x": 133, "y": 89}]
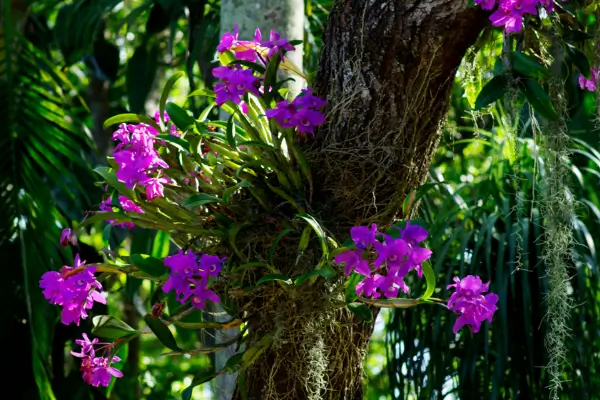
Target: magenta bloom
[
  {"x": 510, "y": 14},
  {"x": 66, "y": 237},
  {"x": 276, "y": 43},
  {"x": 589, "y": 84},
  {"x": 303, "y": 112},
  {"x": 129, "y": 205},
  {"x": 363, "y": 236},
  {"x": 283, "y": 113},
  {"x": 211, "y": 265},
  {"x": 368, "y": 286},
  {"x": 244, "y": 50},
  {"x": 391, "y": 285},
  {"x": 154, "y": 187},
  {"x": 157, "y": 116},
  {"x": 306, "y": 100},
  {"x": 136, "y": 156},
  {"x": 307, "y": 119},
  {"x": 393, "y": 257},
  {"x": 414, "y": 234},
  {"x": 87, "y": 346},
  {"x": 122, "y": 134},
  {"x": 486, "y": 4},
  {"x": 97, "y": 371},
  {"x": 189, "y": 276},
  {"x": 234, "y": 83},
  {"x": 202, "y": 293},
  {"x": 354, "y": 261},
  {"x": 76, "y": 293},
  {"x": 394, "y": 252},
  {"x": 469, "y": 301}
]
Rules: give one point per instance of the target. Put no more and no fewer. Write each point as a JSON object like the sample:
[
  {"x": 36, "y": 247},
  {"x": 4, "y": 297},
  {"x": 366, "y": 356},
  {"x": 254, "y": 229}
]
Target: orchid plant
[{"x": 204, "y": 182}]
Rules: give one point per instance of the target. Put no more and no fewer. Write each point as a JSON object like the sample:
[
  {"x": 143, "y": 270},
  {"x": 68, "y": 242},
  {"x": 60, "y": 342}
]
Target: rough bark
[{"x": 386, "y": 71}]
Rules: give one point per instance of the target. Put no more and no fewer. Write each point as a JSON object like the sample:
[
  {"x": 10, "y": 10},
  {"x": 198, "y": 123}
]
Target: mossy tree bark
[{"x": 386, "y": 71}]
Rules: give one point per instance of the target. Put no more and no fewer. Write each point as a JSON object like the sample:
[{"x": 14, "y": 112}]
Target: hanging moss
[{"x": 558, "y": 211}]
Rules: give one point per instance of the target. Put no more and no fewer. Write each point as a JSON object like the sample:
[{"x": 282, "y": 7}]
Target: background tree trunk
[
  {"x": 386, "y": 71},
  {"x": 287, "y": 18}
]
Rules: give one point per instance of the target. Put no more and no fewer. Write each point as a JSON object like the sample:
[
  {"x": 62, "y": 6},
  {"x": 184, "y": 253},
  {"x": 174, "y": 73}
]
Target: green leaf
[
  {"x": 539, "y": 99},
  {"x": 199, "y": 379},
  {"x": 162, "y": 332},
  {"x": 125, "y": 118},
  {"x": 527, "y": 65},
  {"x": 253, "y": 66},
  {"x": 273, "y": 278},
  {"x": 275, "y": 242},
  {"x": 580, "y": 60},
  {"x": 179, "y": 143},
  {"x": 492, "y": 91},
  {"x": 165, "y": 94},
  {"x": 350, "y": 292},
  {"x": 227, "y": 57},
  {"x": 203, "y": 92},
  {"x": 201, "y": 199},
  {"x": 110, "y": 177},
  {"x": 271, "y": 76},
  {"x": 180, "y": 117},
  {"x": 324, "y": 272},
  {"x": 231, "y": 132},
  {"x": 361, "y": 311},
  {"x": 392, "y": 303},
  {"x": 233, "y": 362},
  {"x": 161, "y": 244},
  {"x": 106, "y": 236},
  {"x": 430, "y": 279},
  {"x": 204, "y": 115},
  {"x": 304, "y": 239},
  {"x": 111, "y": 327},
  {"x": 148, "y": 264},
  {"x": 318, "y": 230},
  {"x": 229, "y": 191},
  {"x": 416, "y": 194}
]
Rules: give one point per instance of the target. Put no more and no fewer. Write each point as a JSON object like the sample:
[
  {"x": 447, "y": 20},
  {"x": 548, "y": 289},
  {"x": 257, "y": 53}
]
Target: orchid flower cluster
[
  {"x": 75, "y": 289},
  {"x": 592, "y": 83},
  {"x": 394, "y": 257},
  {"x": 236, "y": 81},
  {"x": 190, "y": 273},
  {"x": 469, "y": 301},
  {"x": 510, "y": 13},
  {"x": 138, "y": 160},
  {"x": 97, "y": 370}
]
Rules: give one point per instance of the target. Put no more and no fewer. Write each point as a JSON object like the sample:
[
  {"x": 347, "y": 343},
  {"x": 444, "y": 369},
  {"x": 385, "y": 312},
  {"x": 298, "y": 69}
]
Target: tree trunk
[
  {"x": 386, "y": 71},
  {"x": 98, "y": 101}
]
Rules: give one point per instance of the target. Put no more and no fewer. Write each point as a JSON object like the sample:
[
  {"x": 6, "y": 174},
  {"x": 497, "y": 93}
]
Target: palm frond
[
  {"x": 499, "y": 236},
  {"x": 41, "y": 150}
]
